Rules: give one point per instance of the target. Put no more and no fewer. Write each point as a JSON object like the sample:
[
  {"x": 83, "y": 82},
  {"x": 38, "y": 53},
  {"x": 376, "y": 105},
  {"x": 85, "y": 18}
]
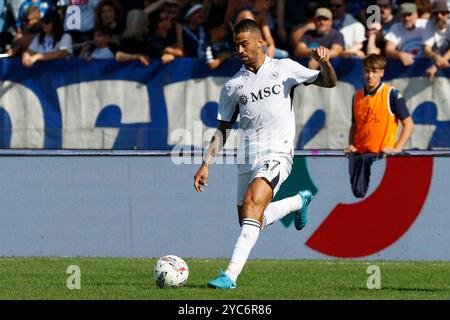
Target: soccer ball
[{"x": 170, "y": 272}]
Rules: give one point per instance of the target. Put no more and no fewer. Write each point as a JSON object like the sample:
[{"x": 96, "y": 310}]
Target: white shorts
[{"x": 274, "y": 167}]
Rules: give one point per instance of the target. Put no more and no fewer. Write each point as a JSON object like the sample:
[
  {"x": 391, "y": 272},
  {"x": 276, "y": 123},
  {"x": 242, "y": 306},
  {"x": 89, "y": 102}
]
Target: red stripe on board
[{"x": 369, "y": 226}]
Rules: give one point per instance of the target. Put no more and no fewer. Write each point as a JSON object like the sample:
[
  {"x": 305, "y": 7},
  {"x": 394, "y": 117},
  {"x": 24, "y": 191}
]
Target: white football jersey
[{"x": 263, "y": 101}]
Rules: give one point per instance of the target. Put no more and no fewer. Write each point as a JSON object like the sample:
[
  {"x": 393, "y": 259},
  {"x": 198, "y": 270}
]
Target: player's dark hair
[
  {"x": 247, "y": 25},
  {"x": 374, "y": 61}
]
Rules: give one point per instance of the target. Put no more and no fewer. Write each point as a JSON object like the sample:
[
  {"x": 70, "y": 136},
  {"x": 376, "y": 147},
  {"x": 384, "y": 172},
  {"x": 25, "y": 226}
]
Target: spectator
[
  {"x": 352, "y": 30},
  {"x": 290, "y": 13},
  {"x": 377, "y": 109},
  {"x": 42, "y": 5},
  {"x": 437, "y": 37},
  {"x": 299, "y": 30},
  {"x": 162, "y": 39},
  {"x": 423, "y": 9},
  {"x": 134, "y": 42},
  {"x": 259, "y": 12},
  {"x": 32, "y": 26},
  {"x": 191, "y": 31},
  {"x": 109, "y": 13},
  {"x": 51, "y": 43},
  {"x": 323, "y": 35},
  {"x": 405, "y": 38},
  {"x": 172, "y": 9},
  {"x": 386, "y": 14},
  {"x": 100, "y": 48},
  {"x": 221, "y": 48},
  {"x": 376, "y": 41},
  {"x": 215, "y": 10},
  {"x": 166, "y": 5},
  {"x": 357, "y": 9}
]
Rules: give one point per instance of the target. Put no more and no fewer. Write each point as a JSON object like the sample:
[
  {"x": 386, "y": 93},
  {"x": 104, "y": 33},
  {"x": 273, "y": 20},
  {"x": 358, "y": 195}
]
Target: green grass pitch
[{"x": 124, "y": 278}]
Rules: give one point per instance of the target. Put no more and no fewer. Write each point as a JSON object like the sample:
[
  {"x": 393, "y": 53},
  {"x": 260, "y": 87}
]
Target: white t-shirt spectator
[
  {"x": 103, "y": 53},
  {"x": 408, "y": 40},
  {"x": 436, "y": 38},
  {"x": 48, "y": 45},
  {"x": 353, "y": 31}
]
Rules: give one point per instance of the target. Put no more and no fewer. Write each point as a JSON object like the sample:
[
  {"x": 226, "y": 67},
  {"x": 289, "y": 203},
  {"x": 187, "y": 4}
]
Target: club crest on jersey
[{"x": 243, "y": 99}]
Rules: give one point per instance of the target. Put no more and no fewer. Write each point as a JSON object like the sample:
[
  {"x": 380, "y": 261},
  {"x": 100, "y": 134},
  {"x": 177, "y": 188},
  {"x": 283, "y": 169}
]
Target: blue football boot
[
  {"x": 301, "y": 215},
  {"x": 222, "y": 282}
]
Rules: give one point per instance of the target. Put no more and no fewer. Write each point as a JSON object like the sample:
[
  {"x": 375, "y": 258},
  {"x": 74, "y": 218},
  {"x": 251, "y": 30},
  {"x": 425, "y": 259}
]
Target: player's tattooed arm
[
  {"x": 217, "y": 141},
  {"x": 327, "y": 77}
]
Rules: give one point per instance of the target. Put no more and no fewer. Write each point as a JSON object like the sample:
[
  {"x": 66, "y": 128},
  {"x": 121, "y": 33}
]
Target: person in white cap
[
  {"x": 191, "y": 32},
  {"x": 323, "y": 35},
  {"x": 405, "y": 38}
]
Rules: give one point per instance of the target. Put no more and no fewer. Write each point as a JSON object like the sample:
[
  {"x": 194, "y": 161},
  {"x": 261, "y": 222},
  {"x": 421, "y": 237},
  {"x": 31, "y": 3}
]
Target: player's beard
[{"x": 251, "y": 58}]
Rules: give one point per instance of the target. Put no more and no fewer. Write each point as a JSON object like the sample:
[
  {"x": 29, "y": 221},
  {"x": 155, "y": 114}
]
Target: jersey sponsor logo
[{"x": 265, "y": 93}]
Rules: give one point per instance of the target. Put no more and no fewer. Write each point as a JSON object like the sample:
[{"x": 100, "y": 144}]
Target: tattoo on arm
[
  {"x": 327, "y": 76},
  {"x": 217, "y": 141}
]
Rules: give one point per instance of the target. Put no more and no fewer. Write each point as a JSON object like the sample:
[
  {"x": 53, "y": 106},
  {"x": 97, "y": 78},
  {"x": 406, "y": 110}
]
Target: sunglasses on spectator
[{"x": 441, "y": 12}]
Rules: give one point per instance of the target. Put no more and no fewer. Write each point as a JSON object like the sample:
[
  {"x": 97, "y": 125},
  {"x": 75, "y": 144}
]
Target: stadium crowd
[{"x": 143, "y": 30}]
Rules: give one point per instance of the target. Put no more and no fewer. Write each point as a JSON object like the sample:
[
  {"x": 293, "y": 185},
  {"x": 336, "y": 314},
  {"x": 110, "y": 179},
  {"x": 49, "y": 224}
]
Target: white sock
[
  {"x": 279, "y": 209},
  {"x": 246, "y": 241}
]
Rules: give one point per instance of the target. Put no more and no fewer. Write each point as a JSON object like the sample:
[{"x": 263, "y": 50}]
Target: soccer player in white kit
[{"x": 261, "y": 92}]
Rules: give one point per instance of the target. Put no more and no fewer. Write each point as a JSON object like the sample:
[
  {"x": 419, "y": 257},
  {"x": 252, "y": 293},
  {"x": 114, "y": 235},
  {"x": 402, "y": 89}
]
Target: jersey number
[{"x": 267, "y": 165}]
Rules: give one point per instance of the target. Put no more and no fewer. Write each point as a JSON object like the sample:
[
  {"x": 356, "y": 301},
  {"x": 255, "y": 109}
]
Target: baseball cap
[
  {"x": 323, "y": 12},
  {"x": 408, "y": 7},
  {"x": 439, "y": 6}
]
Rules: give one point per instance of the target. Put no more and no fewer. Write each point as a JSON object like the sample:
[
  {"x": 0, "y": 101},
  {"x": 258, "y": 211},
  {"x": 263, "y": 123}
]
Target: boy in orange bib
[{"x": 377, "y": 110}]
